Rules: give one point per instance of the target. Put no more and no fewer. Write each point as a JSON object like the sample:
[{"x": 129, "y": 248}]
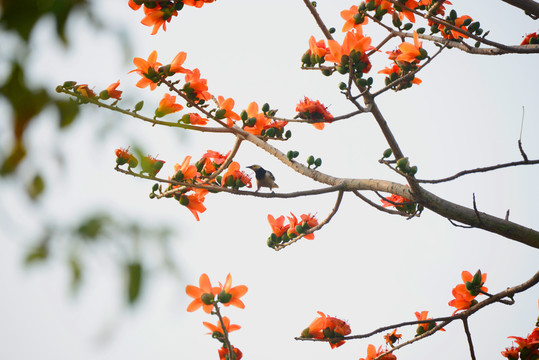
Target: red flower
[
  {"x": 235, "y": 178},
  {"x": 195, "y": 119},
  {"x": 158, "y": 17},
  {"x": 421, "y": 328},
  {"x": 529, "y": 38},
  {"x": 85, "y": 91},
  {"x": 373, "y": 353},
  {"x": 392, "y": 337},
  {"x": 277, "y": 225},
  {"x": 231, "y": 295},
  {"x": 327, "y": 327},
  {"x": 123, "y": 156},
  {"x": 223, "y": 353},
  {"x": 167, "y": 105},
  {"x": 314, "y": 110},
  {"x": 177, "y": 62},
  {"x": 148, "y": 69},
  {"x": 350, "y": 21},
  {"x": 112, "y": 92},
  {"x": 204, "y": 295},
  {"x": 196, "y": 88},
  {"x": 411, "y": 53},
  {"x": 394, "y": 199},
  {"x": 197, "y": 3},
  {"x": 227, "y": 105},
  {"x": 185, "y": 171},
  {"x": 463, "y": 299},
  {"x": 219, "y": 329}
]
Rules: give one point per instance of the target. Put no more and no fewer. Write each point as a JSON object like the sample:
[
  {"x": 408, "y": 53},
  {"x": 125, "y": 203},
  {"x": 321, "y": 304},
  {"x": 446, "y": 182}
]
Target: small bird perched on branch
[{"x": 264, "y": 178}]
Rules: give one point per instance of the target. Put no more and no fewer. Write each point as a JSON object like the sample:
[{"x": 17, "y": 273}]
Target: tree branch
[{"x": 528, "y": 6}]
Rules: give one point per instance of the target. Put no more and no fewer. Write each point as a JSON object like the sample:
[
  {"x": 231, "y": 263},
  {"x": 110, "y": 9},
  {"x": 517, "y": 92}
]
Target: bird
[{"x": 264, "y": 178}]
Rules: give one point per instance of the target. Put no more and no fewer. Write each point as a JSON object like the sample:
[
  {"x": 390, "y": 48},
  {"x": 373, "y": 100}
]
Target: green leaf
[{"x": 134, "y": 281}]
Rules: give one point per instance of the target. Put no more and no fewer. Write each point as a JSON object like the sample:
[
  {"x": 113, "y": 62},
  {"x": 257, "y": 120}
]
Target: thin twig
[
  {"x": 318, "y": 19},
  {"x": 479, "y": 170},
  {"x": 469, "y": 337},
  {"x": 520, "y": 138}
]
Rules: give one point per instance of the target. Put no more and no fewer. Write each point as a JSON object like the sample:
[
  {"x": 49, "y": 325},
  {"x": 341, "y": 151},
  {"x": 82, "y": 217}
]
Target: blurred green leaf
[
  {"x": 76, "y": 272},
  {"x": 38, "y": 253},
  {"x": 134, "y": 281},
  {"x": 36, "y": 187},
  {"x": 10, "y": 163},
  {"x": 93, "y": 227},
  {"x": 68, "y": 110},
  {"x": 22, "y": 15}
]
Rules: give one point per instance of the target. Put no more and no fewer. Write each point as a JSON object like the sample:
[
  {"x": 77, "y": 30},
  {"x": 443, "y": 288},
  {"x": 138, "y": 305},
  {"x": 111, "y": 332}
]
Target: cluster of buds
[
  {"x": 263, "y": 123},
  {"x": 281, "y": 233},
  {"x": 208, "y": 298},
  {"x": 403, "y": 165},
  {"x": 149, "y": 164},
  {"x": 463, "y": 22},
  {"x": 327, "y": 327}
]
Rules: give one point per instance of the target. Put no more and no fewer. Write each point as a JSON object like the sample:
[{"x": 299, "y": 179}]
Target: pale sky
[{"x": 366, "y": 267}]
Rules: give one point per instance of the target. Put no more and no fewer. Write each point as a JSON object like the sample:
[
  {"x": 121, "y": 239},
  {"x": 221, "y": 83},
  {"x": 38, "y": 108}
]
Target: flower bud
[
  {"x": 402, "y": 163},
  {"x": 133, "y": 162},
  {"x": 220, "y": 114},
  {"x": 207, "y": 298},
  {"x": 407, "y": 26},
  {"x": 224, "y": 297},
  {"x": 317, "y": 162},
  {"x": 69, "y": 84},
  {"x": 288, "y": 134},
  {"x": 387, "y": 153},
  {"x": 310, "y": 160},
  {"x": 155, "y": 187},
  {"x": 250, "y": 122},
  {"x": 270, "y": 132},
  {"x": 243, "y": 115},
  {"x": 184, "y": 200}
]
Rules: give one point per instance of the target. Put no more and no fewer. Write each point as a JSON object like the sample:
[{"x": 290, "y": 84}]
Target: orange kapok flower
[
  {"x": 185, "y": 171},
  {"x": 314, "y": 110},
  {"x": 412, "y": 4},
  {"x": 421, "y": 328},
  {"x": 167, "y": 105},
  {"x": 204, "y": 295},
  {"x": 261, "y": 120},
  {"x": 394, "y": 199},
  {"x": 158, "y": 17},
  {"x": 85, "y": 91},
  {"x": 112, "y": 92},
  {"x": 463, "y": 299},
  {"x": 328, "y": 327},
  {"x": 528, "y": 39},
  {"x": 231, "y": 295},
  {"x": 197, "y": 3},
  {"x": 411, "y": 53},
  {"x": 233, "y": 174},
  {"x": 148, "y": 69},
  {"x": 195, "y": 202},
  {"x": 467, "y": 277},
  {"x": 133, "y": 5},
  {"x": 223, "y": 352},
  {"x": 196, "y": 88},
  {"x": 177, "y": 62},
  {"x": 195, "y": 119},
  {"x": 392, "y": 337},
  {"x": 277, "y": 225},
  {"x": 317, "y": 48},
  {"x": 350, "y": 20},
  {"x": 372, "y": 353},
  {"x": 218, "y": 329},
  {"x": 227, "y": 105},
  {"x": 123, "y": 156}
]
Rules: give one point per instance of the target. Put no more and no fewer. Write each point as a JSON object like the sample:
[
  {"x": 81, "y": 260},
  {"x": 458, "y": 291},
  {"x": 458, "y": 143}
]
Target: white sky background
[{"x": 366, "y": 267}]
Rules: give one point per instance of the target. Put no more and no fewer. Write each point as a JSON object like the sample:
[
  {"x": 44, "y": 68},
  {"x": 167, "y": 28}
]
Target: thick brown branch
[{"x": 529, "y": 6}]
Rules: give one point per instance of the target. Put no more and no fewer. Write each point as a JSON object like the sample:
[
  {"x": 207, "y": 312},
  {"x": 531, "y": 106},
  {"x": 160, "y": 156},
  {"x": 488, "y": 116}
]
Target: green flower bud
[
  {"x": 229, "y": 180},
  {"x": 387, "y": 153},
  {"x": 421, "y": 30},
  {"x": 270, "y": 242},
  {"x": 326, "y": 72},
  {"x": 317, "y": 162},
  {"x": 342, "y": 86},
  {"x": 224, "y": 297},
  {"x": 69, "y": 84},
  {"x": 265, "y": 108},
  {"x": 305, "y": 333},
  {"x": 402, "y": 163},
  {"x": 220, "y": 114},
  {"x": 288, "y": 134},
  {"x": 152, "y": 195},
  {"x": 453, "y": 14},
  {"x": 310, "y": 160},
  {"x": 407, "y": 27},
  {"x": 467, "y": 22},
  {"x": 178, "y": 6},
  {"x": 155, "y": 187},
  {"x": 299, "y": 229},
  {"x": 133, "y": 162},
  {"x": 270, "y": 132},
  {"x": 184, "y": 200},
  {"x": 371, "y": 5},
  {"x": 243, "y": 115},
  {"x": 207, "y": 298},
  {"x": 341, "y": 69},
  {"x": 434, "y": 28},
  {"x": 290, "y": 155},
  {"x": 331, "y": 30},
  {"x": 250, "y": 122},
  {"x": 296, "y": 154},
  {"x": 413, "y": 171}
]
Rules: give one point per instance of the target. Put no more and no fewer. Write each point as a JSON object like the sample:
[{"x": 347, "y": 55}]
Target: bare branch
[
  {"x": 319, "y": 21},
  {"x": 378, "y": 207},
  {"x": 479, "y": 170},
  {"x": 469, "y": 337},
  {"x": 529, "y": 6}
]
